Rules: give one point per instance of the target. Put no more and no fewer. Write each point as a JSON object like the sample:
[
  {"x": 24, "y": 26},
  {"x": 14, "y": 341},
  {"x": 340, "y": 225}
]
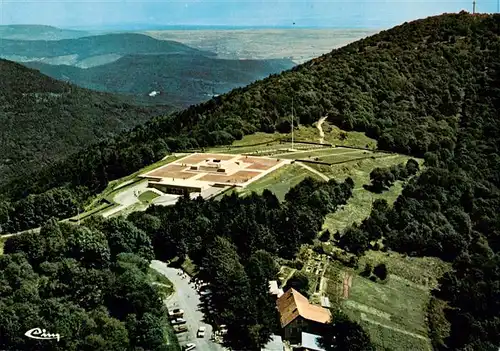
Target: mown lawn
[
  {"x": 280, "y": 181},
  {"x": 352, "y": 155},
  {"x": 319, "y": 153},
  {"x": 335, "y": 136},
  {"x": 148, "y": 196}
]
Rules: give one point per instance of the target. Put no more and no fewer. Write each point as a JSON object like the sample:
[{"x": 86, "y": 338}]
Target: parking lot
[{"x": 187, "y": 298}]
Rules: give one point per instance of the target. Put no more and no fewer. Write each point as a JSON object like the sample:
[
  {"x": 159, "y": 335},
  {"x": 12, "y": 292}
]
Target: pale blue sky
[{"x": 321, "y": 13}]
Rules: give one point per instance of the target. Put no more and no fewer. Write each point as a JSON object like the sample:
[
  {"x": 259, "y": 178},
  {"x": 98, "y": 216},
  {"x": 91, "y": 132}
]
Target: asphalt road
[{"x": 187, "y": 298}]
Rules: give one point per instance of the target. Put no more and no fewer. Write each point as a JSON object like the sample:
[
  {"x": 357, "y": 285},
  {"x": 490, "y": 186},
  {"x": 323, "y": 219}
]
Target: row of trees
[{"x": 383, "y": 178}]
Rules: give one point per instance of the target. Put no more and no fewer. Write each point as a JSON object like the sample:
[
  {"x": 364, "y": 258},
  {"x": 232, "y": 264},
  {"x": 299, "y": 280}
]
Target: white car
[
  {"x": 178, "y": 321},
  {"x": 205, "y": 292},
  {"x": 176, "y": 312},
  {"x": 201, "y": 332},
  {"x": 189, "y": 347}
]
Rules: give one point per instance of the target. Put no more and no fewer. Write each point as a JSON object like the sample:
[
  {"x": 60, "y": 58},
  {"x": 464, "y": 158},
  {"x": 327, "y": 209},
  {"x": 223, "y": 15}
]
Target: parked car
[
  {"x": 180, "y": 329},
  {"x": 201, "y": 332},
  {"x": 205, "y": 292},
  {"x": 189, "y": 347},
  {"x": 223, "y": 329},
  {"x": 176, "y": 312},
  {"x": 178, "y": 321}
]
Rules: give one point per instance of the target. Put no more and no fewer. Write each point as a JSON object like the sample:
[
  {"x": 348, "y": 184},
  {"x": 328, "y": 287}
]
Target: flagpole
[{"x": 292, "y": 123}]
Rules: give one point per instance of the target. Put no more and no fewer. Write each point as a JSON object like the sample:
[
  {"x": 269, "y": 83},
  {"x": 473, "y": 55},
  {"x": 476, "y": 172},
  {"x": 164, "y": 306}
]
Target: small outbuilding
[
  {"x": 310, "y": 342},
  {"x": 274, "y": 289}
]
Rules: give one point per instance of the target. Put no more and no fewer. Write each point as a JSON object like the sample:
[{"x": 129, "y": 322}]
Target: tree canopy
[{"x": 65, "y": 280}]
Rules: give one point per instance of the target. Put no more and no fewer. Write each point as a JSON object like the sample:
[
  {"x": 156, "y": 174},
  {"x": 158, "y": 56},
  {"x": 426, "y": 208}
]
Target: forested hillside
[
  {"x": 43, "y": 120},
  {"x": 181, "y": 79},
  {"x": 428, "y": 88},
  {"x": 406, "y": 87}
]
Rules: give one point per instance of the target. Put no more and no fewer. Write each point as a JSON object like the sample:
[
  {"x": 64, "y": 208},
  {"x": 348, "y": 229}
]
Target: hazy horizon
[{"x": 153, "y": 14}]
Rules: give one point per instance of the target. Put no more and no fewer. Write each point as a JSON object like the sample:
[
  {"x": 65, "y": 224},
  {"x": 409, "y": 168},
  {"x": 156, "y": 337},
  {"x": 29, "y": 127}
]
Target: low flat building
[
  {"x": 275, "y": 344},
  {"x": 210, "y": 173},
  {"x": 297, "y": 315}
]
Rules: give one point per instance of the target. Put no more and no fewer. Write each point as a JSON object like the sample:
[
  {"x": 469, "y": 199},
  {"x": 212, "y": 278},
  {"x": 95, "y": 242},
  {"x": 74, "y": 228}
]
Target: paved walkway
[{"x": 324, "y": 177}]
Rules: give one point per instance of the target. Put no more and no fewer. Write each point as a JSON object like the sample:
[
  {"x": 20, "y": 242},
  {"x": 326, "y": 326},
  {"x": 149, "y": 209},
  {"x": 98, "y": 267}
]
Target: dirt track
[
  {"x": 320, "y": 129},
  {"x": 346, "y": 284}
]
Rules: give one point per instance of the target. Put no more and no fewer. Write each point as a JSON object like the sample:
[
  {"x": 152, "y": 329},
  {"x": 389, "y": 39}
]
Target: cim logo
[{"x": 41, "y": 334}]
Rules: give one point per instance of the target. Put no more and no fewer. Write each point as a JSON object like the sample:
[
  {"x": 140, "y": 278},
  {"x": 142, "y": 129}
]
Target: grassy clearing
[
  {"x": 352, "y": 156},
  {"x": 249, "y": 143},
  {"x": 394, "y": 311},
  {"x": 156, "y": 277},
  {"x": 257, "y": 138},
  {"x": 359, "y": 205},
  {"x": 335, "y": 136},
  {"x": 161, "y": 283},
  {"x": 189, "y": 267},
  {"x": 317, "y": 153},
  {"x": 280, "y": 181},
  {"x": 421, "y": 271},
  {"x": 270, "y": 149},
  {"x": 394, "y": 302},
  {"x": 148, "y": 196}
]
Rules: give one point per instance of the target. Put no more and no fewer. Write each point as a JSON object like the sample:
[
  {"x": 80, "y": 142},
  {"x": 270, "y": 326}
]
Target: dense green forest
[
  {"x": 44, "y": 120},
  {"x": 87, "y": 285},
  {"x": 90, "y": 281},
  {"x": 182, "y": 79}
]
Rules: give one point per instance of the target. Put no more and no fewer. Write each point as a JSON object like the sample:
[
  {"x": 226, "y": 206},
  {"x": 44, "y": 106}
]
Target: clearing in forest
[
  {"x": 359, "y": 206},
  {"x": 393, "y": 311}
]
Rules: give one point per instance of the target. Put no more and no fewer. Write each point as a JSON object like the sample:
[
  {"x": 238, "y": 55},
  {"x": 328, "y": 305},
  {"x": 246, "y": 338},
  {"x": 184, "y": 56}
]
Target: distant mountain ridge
[
  {"x": 181, "y": 79},
  {"x": 38, "y": 32},
  {"x": 43, "y": 120},
  {"x": 81, "y": 51}
]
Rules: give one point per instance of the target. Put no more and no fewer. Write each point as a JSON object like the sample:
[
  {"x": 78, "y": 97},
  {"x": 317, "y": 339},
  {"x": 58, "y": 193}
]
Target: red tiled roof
[{"x": 293, "y": 304}]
